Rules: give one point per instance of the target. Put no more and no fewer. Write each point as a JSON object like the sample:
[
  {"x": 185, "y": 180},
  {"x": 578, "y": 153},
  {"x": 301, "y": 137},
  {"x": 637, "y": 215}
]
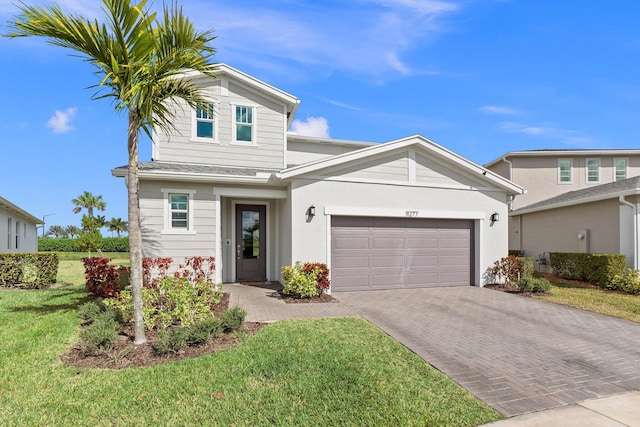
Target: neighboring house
[
  {"x": 17, "y": 229},
  {"x": 575, "y": 201},
  {"x": 232, "y": 183}
]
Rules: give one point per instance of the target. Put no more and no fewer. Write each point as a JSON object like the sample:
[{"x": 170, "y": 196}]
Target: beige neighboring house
[
  {"x": 17, "y": 229},
  {"x": 575, "y": 201},
  {"x": 231, "y": 182}
]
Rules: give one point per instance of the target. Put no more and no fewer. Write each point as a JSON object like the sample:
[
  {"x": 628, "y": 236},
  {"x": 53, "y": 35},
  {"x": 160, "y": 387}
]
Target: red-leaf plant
[{"x": 322, "y": 275}]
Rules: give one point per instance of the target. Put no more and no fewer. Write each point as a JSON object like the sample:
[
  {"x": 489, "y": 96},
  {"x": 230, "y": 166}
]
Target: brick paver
[{"x": 517, "y": 354}]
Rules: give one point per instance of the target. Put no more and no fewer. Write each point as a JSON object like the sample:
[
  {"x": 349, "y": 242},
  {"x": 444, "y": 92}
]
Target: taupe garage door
[{"x": 393, "y": 253}]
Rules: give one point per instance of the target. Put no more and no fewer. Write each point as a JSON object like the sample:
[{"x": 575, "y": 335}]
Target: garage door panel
[{"x": 400, "y": 253}]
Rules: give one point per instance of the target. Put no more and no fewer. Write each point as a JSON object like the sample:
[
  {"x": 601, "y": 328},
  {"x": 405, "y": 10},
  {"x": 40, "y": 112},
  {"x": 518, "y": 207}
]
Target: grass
[
  {"x": 617, "y": 304},
  {"x": 71, "y": 270},
  {"x": 306, "y": 372}
]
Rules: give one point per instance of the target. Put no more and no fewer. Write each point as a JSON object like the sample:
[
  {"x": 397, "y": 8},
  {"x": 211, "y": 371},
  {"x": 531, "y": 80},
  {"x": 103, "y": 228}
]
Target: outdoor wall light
[
  {"x": 311, "y": 212},
  {"x": 495, "y": 217},
  {"x": 580, "y": 236}
]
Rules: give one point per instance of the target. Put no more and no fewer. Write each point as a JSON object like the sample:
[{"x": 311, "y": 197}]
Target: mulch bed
[
  {"x": 548, "y": 276},
  {"x": 319, "y": 299},
  {"x": 127, "y": 355}
]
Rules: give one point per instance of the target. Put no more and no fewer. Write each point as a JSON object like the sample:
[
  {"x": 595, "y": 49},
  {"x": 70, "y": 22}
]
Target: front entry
[{"x": 251, "y": 259}]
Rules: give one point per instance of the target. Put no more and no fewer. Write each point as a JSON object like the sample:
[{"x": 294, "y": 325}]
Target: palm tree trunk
[{"x": 135, "y": 230}]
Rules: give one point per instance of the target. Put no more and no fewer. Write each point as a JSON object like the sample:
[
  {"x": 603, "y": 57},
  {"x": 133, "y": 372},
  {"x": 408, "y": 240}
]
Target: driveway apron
[{"x": 516, "y": 354}]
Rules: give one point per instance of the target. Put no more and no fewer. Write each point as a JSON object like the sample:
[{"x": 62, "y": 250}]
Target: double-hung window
[
  {"x": 565, "y": 175},
  {"x": 17, "y": 235},
  {"x": 244, "y": 130},
  {"x": 178, "y": 211},
  {"x": 593, "y": 171},
  {"x": 620, "y": 166},
  {"x": 204, "y": 127},
  {"x": 9, "y": 225}
]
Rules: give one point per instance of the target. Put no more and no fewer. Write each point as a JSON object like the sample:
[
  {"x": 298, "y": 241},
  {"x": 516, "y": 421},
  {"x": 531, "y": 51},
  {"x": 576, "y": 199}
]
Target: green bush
[
  {"x": 595, "y": 268},
  {"x": 533, "y": 284},
  {"x": 109, "y": 244},
  {"x": 101, "y": 334},
  {"x": 91, "y": 309},
  {"x": 299, "y": 284},
  {"x": 28, "y": 269},
  {"x": 170, "y": 340},
  {"x": 628, "y": 281},
  {"x": 516, "y": 252},
  {"x": 527, "y": 267},
  {"x": 202, "y": 332},
  {"x": 232, "y": 318}
]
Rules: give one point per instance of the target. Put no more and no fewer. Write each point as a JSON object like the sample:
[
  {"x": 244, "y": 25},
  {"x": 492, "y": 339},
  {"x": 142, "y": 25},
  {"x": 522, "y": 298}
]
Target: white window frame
[
  {"x": 254, "y": 125},
  {"x": 9, "y": 234},
  {"x": 560, "y": 181},
  {"x": 166, "y": 225},
  {"x": 214, "y": 120},
  {"x": 615, "y": 168},
  {"x": 586, "y": 167},
  {"x": 17, "y": 235}
]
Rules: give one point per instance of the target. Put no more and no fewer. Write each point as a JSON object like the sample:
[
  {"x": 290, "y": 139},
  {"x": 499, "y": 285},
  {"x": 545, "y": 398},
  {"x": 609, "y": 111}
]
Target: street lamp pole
[{"x": 43, "y": 223}]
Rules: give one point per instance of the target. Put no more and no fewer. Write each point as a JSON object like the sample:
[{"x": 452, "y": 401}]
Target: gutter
[
  {"x": 625, "y": 202},
  {"x": 511, "y": 198}
]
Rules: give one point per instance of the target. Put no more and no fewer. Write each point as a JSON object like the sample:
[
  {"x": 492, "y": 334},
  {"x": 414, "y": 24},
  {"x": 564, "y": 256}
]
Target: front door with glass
[{"x": 251, "y": 257}]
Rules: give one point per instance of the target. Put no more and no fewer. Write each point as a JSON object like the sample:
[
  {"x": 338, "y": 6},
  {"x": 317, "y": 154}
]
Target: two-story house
[
  {"x": 18, "y": 228},
  {"x": 234, "y": 184},
  {"x": 575, "y": 201}
]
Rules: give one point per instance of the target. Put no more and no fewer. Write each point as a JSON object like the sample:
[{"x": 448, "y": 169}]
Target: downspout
[{"x": 625, "y": 202}]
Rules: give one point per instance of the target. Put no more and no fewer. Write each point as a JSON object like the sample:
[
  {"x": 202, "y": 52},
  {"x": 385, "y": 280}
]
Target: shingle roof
[
  {"x": 197, "y": 169},
  {"x": 597, "y": 192}
]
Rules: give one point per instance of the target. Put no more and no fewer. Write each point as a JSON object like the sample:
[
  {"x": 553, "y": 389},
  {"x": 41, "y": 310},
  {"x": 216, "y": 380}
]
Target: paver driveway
[{"x": 516, "y": 354}]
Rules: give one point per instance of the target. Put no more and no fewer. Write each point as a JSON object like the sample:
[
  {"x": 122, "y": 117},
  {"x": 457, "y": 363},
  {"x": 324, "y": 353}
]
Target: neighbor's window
[
  {"x": 9, "y": 224},
  {"x": 244, "y": 123},
  {"x": 204, "y": 124},
  {"x": 620, "y": 169},
  {"x": 593, "y": 170},
  {"x": 179, "y": 206},
  {"x": 17, "y": 234},
  {"x": 564, "y": 171}
]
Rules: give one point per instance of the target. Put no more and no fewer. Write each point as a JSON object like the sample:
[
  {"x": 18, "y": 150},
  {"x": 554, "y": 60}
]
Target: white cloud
[
  {"x": 566, "y": 136},
  {"x": 60, "y": 121},
  {"x": 341, "y": 104},
  {"x": 499, "y": 110},
  {"x": 313, "y": 126}
]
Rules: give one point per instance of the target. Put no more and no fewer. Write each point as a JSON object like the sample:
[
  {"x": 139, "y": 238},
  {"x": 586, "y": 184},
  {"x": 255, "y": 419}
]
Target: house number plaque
[{"x": 411, "y": 213}]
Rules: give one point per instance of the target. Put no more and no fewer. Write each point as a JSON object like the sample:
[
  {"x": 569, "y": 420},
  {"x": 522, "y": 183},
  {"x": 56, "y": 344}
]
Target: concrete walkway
[{"x": 519, "y": 355}]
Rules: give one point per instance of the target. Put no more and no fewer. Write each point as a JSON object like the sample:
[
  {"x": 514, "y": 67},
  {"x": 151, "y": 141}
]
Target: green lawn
[
  {"x": 612, "y": 303},
  {"x": 305, "y": 372}
]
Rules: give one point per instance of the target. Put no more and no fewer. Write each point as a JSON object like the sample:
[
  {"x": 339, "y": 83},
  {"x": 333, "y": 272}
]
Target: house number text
[{"x": 411, "y": 213}]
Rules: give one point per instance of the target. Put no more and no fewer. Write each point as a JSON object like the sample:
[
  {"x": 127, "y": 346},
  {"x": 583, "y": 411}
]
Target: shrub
[
  {"x": 101, "y": 334},
  {"x": 28, "y": 269},
  {"x": 109, "y": 244},
  {"x": 91, "y": 309},
  {"x": 516, "y": 252},
  {"x": 202, "y": 332},
  {"x": 232, "y": 318},
  {"x": 305, "y": 280},
  {"x": 102, "y": 279},
  {"x": 595, "y": 268},
  {"x": 170, "y": 340},
  {"x": 508, "y": 269},
  {"x": 527, "y": 267},
  {"x": 628, "y": 281},
  {"x": 320, "y": 272},
  {"x": 533, "y": 284},
  {"x": 10, "y": 272}
]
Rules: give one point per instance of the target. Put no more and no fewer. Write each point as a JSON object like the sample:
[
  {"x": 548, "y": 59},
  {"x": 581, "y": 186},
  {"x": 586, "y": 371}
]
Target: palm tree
[
  {"x": 72, "y": 231},
  {"x": 142, "y": 64},
  {"x": 57, "y": 231},
  {"x": 117, "y": 225},
  {"x": 89, "y": 202}
]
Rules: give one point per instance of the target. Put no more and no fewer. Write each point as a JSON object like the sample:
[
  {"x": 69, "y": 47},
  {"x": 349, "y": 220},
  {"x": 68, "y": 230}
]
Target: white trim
[
  {"x": 407, "y": 212},
  {"x": 328, "y": 246},
  {"x": 570, "y": 171},
  {"x": 218, "y": 243},
  {"x": 586, "y": 168},
  {"x": 580, "y": 201},
  {"x": 626, "y": 167},
  {"x": 194, "y": 125},
  {"x": 250, "y": 192},
  {"x": 166, "y": 210}
]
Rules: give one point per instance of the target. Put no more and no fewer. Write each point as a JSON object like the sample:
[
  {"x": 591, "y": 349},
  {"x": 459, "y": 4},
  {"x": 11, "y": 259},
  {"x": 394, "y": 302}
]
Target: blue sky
[{"x": 480, "y": 77}]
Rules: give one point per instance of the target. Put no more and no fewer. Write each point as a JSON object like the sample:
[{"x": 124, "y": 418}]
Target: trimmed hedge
[
  {"x": 516, "y": 252},
  {"x": 28, "y": 269},
  {"x": 109, "y": 244},
  {"x": 595, "y": 268}
]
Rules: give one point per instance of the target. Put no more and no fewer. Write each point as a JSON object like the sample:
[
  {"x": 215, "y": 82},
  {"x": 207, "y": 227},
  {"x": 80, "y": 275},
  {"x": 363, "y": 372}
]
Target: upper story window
[
  {"x": 178, "y": 211},
  {"x": 204, "y": 127},
  {"x": 620, "y": 168},
  {"x": 244, "y": 130},
  {"x": 593, "y": 170},
  {"x": 565, "y": 173}
]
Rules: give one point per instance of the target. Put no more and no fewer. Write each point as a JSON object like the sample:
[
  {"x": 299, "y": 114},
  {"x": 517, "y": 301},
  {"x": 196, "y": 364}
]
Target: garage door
[{"x": 395, "y": 253}]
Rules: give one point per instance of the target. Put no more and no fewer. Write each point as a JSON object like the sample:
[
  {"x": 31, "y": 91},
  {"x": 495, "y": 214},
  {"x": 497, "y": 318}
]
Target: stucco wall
[
  {"x": 310, "y": 237},
  {"x": 27, "y": 238}
]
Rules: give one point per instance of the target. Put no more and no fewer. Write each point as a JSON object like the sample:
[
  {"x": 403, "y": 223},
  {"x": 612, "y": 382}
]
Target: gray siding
[
  {"x": 270, "y": 124},
  {"x": 299, "y": 152}
]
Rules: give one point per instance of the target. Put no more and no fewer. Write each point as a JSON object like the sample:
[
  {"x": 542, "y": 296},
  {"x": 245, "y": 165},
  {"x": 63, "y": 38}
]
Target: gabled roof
[
  {"x": 625, "y": 187},
  {"x": 7, "y": 205},
  {"x": 566, "y": 153},
  {"x": 434, "y": 150},
  {"x": 198, "y": 172},
  {"x": 254, "y": 84}
]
